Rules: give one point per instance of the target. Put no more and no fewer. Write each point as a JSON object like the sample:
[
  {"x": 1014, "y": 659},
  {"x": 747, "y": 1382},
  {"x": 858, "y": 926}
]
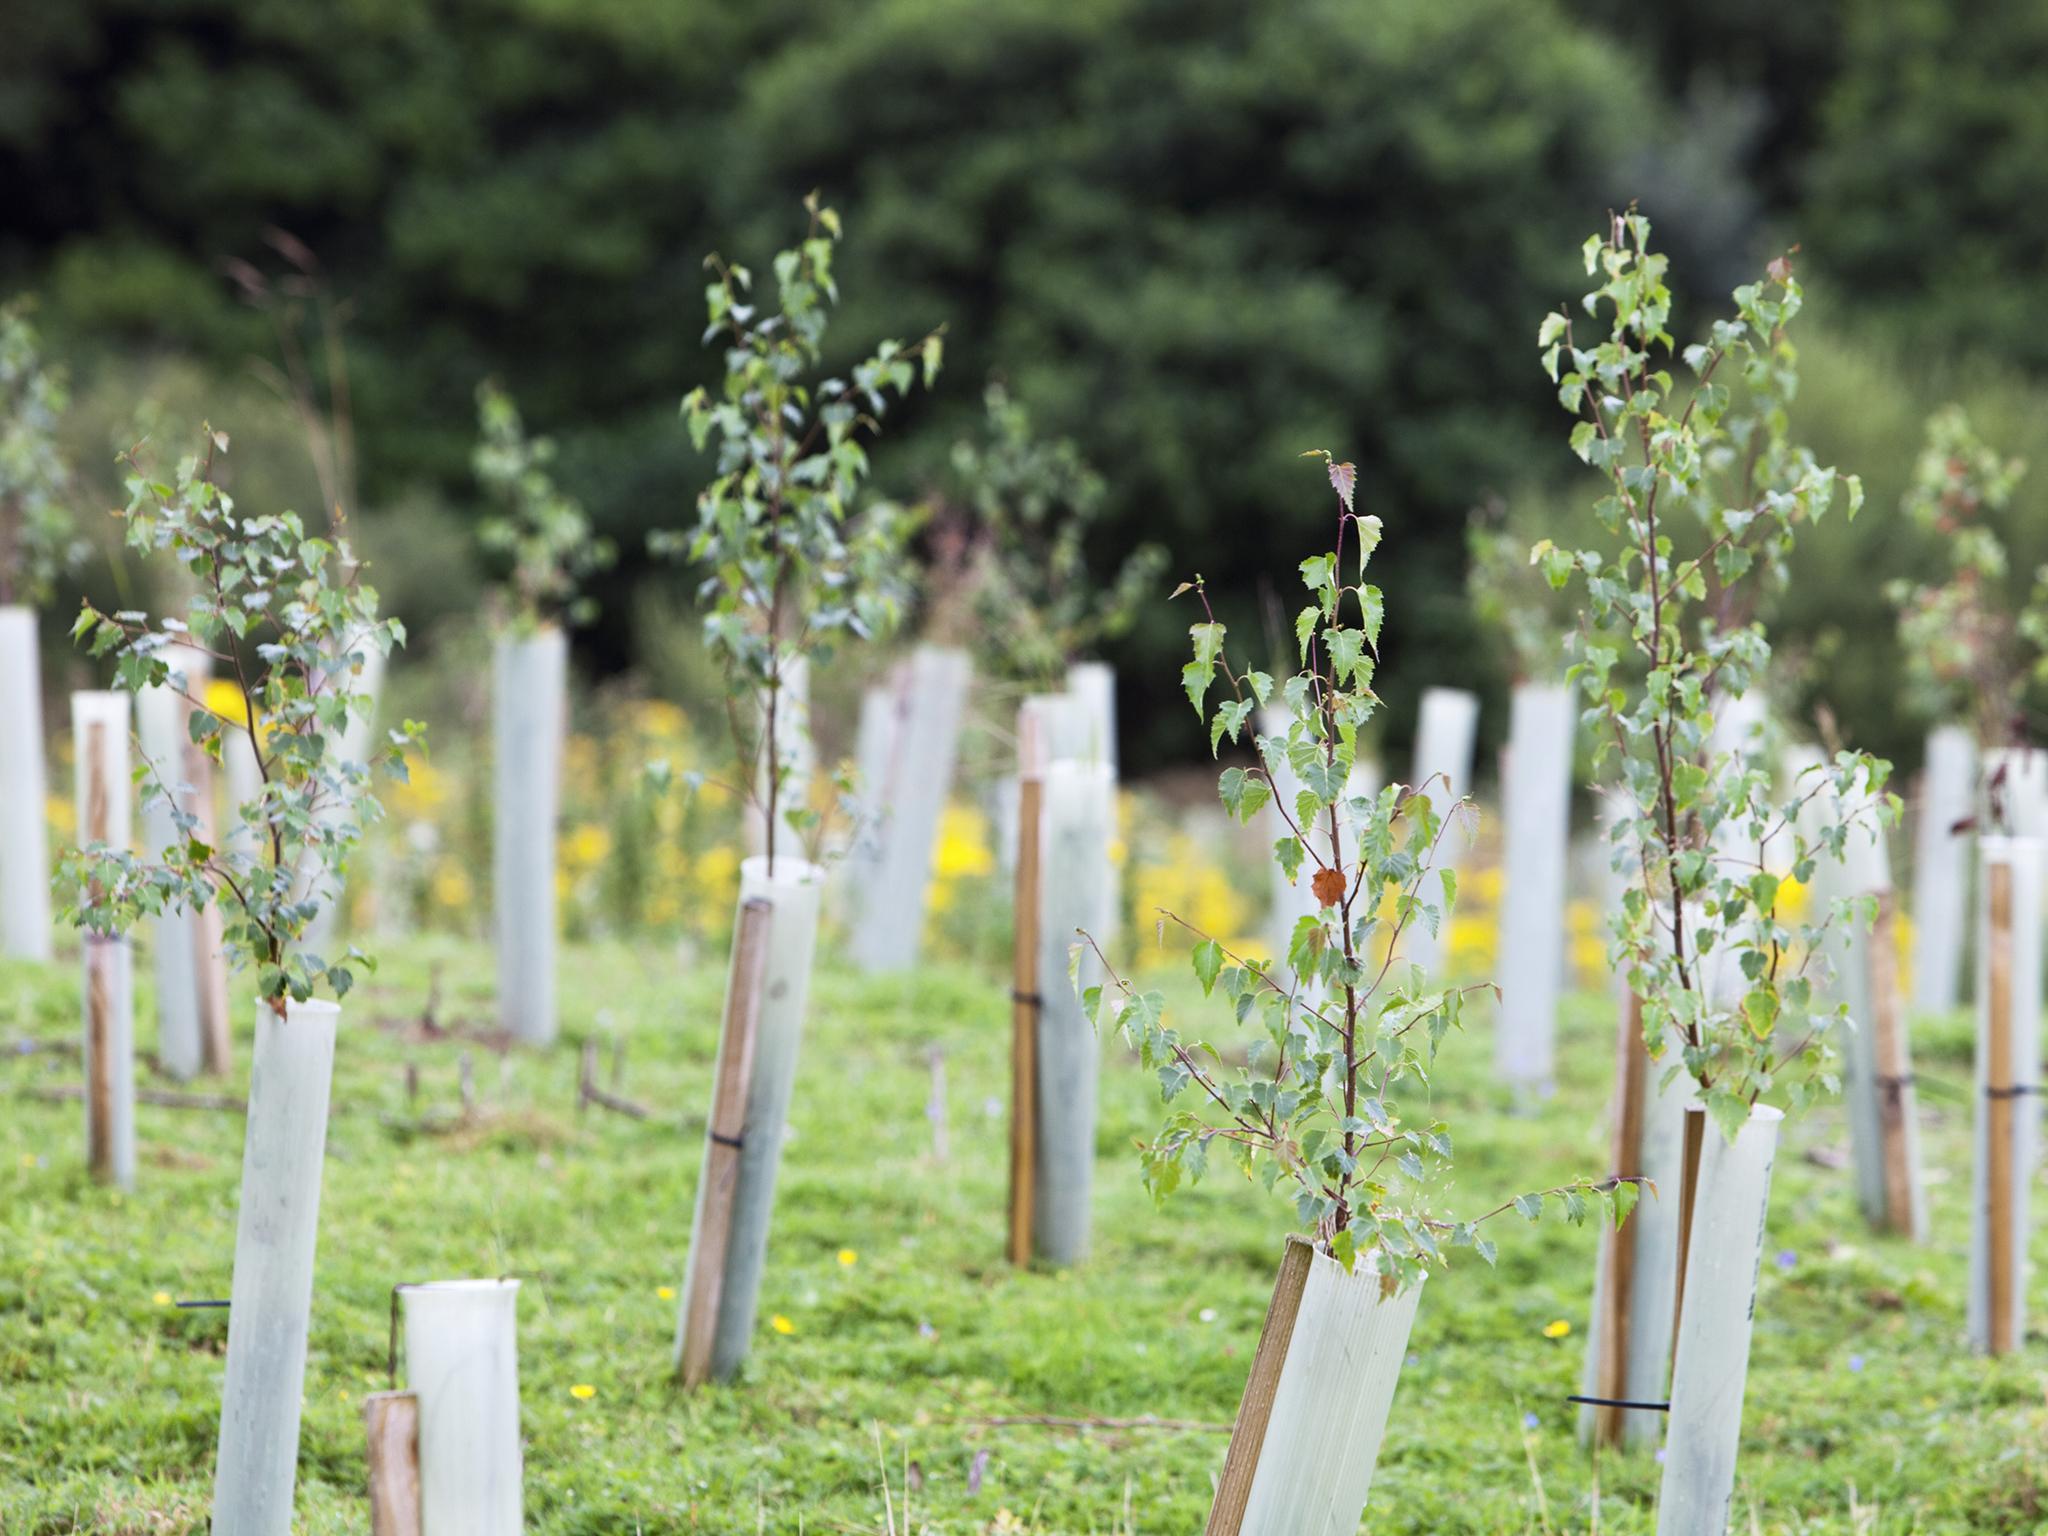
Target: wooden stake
[
  {"x": 1617, "y": 1296},
  {"x": 1024, "y": 999},
  {"x": 392, "y": 1422},
  {"x": 1895, "y": 1099},
  {"x": 1688, "y": 1189},
  {"x": 102, "y": 957},
  {"x": 1262, "y": 1385},
  {"x": 1999, "y": 1108},
  {"x": 726, "y": 1133},
  {"x": 109, "y": 1083}
]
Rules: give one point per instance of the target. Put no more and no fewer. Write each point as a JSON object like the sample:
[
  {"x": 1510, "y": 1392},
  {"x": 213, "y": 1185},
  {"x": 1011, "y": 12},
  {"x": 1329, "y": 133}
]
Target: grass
[{"x": 908, "y": 1338}]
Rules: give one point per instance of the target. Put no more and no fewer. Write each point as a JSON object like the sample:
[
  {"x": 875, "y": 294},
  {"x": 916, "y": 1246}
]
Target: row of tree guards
[{"x": 1674, "y": 1286}]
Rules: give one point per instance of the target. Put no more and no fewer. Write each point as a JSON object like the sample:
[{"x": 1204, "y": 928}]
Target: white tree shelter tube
[
  {"x": 1537, "y": 780},
  {"x": 799, "y": 755},
  {"x": 244, "y": 782},
  {"x": 1941, "y": 869},
  {"x": 358, "y": 745},
  {"x": 24, "y": 837},
  {"x": 1314, "y": 1413},
  {"x": 1877, "y": 1078},
  {"x": 1093, "y": 683},
  {"x": 1075, "y": 825},
  {"x": 1064, "y": 729},
  {"x": 160, "y": 724},
  {"x": 1291, "y": 900},
  {"x": 529, "y": 680},
  {"x": 874, "y": 748},
  {"x": 291, "y": 1073},
  {"x": 104, "y": 791},
  {"x": 2007, "y": 1079},
  {"x": 2015, "y": 786},
  {"x": 1444, "y": 736},
  {"x": 462, "y": 1362},
  {"x": 794, "y": 892},
  {"x": 889, "y": 924},
  {"x": 1711, "y": 1367}
]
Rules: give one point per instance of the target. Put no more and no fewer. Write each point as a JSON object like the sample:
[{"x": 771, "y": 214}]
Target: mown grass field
[{"x": 909, "y": 1341}]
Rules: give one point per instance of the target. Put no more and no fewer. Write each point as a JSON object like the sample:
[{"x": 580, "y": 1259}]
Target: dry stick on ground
[
  {"x": 1632, "y": 1064},
  {"x": 1024, "y": 999},
  {"x": 161, "y": 1098},
  {"x": 588, "y": 1093},
  {"x": 1060, "y": 1421},
  {"x": 709, "y": 1244}
]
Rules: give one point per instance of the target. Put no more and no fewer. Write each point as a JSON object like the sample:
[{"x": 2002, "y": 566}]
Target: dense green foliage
[
  {"x": 37, "y": 542},
  {"x": 1193, "y": 237},
  {"x": 1170, "y": 227}
]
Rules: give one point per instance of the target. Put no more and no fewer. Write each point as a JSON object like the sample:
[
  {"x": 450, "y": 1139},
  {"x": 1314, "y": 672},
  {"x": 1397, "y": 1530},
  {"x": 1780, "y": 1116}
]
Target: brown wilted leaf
[{"x": 1328, "y": 886}]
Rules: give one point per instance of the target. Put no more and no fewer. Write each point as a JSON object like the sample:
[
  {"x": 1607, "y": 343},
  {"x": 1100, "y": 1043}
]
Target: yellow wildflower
[
  {"x": 1557, "y": 1329},
  {"x": 583, "y": 1391}
]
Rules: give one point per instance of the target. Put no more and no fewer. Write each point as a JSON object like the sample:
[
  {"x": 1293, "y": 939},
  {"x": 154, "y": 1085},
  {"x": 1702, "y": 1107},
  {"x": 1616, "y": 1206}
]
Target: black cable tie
[
  {"x": 1902, "y": 1080},
  {"x": 1032, "y": 999},
  {"x": 735, "y": 1142},
  {"x": 2017, "y": 1090},
  {"x": 1619, "y": 1402},
  {"x": 188, "y": 1305}
]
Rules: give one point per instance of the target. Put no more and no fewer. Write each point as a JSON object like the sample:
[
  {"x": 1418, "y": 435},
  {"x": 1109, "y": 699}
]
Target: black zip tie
[
  {"x": 2017, "y": 1090},
  {"x": 1902, "y": 1080},
  {"x": 1031, "y": 999},
  {"x": 735, "y": 1142},
  {"x": 1619, "y": 1402},
  {"x": 188, "y": 1305}
]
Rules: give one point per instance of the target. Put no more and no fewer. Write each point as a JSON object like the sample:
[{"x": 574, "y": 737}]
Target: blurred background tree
[{"x": 1194, "y": 237}]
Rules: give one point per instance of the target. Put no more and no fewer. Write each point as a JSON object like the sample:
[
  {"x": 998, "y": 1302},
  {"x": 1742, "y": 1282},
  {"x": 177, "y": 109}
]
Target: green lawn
[{"x": 1865, "y": 1413}]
